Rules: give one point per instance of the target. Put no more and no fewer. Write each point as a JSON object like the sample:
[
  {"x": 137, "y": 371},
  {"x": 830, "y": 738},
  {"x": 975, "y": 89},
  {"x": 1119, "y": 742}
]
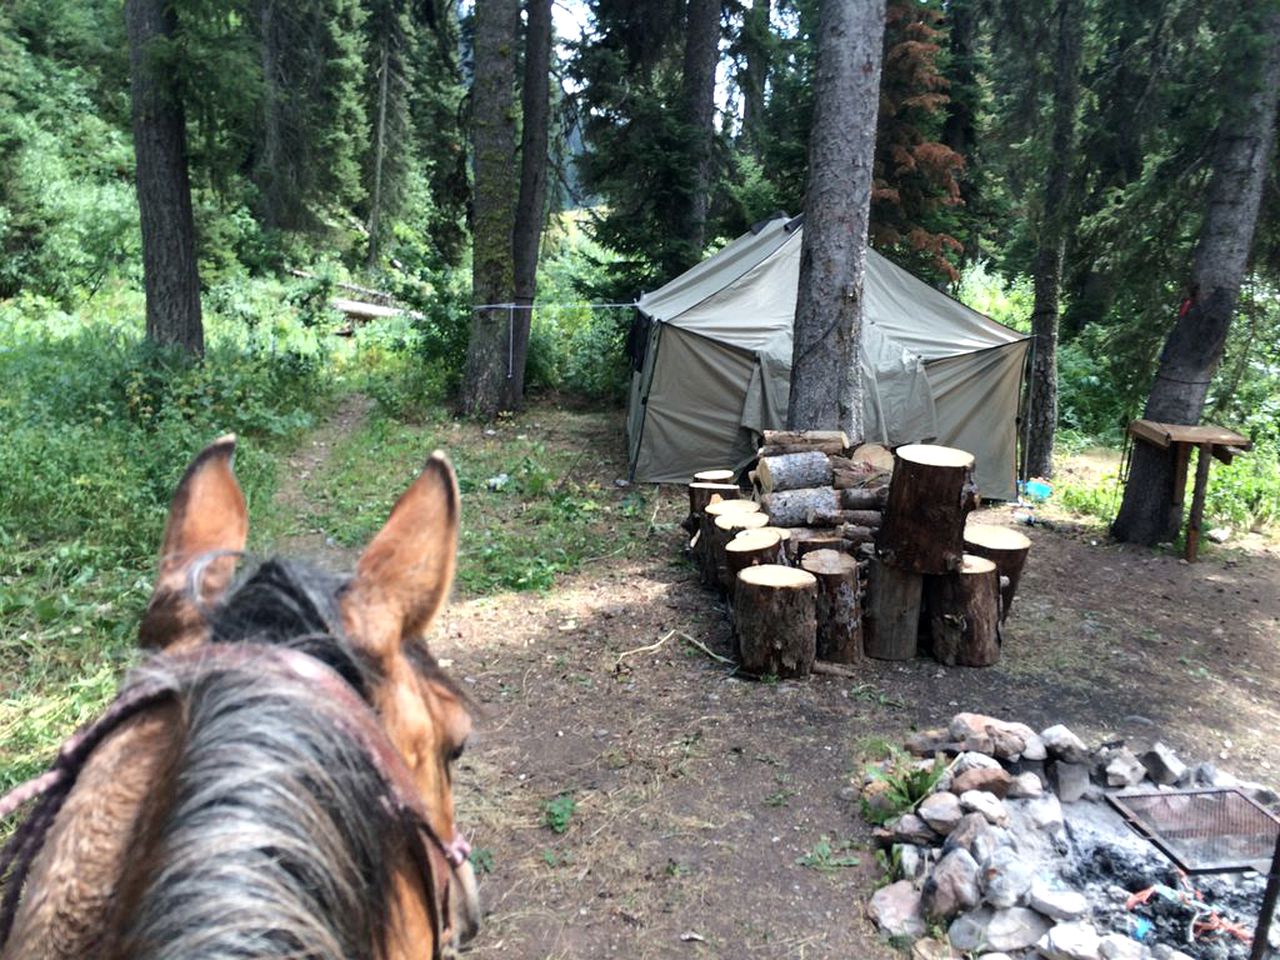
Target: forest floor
[{"x": 628, "y": 795}]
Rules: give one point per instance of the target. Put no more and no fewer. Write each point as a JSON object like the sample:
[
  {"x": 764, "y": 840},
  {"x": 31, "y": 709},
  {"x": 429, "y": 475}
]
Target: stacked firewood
[{"x": 840, "y": 551}]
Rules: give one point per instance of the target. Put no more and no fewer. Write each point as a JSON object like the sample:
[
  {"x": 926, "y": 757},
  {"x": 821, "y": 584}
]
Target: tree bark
[
  {"x": 170, "y": 271},
  {"x": 964, "y": 614},
  {"x": 379, "y": 155},
  {"x": 959, "y": 129},
  {"x": 893, "y": 612},
  {"x": 531, "y": 207},
  {"x": 1241, "y": 158},
  {"x": 1052, "y": 242},
  {"x": 794, "y": 470},
  {"x": 826, "y": 376},
  {"x": 931, "y": 494},
  {"x": 839, "y": 612},
  {"x": 774, "y": 612},
  {"x": 791, "y": 508},
  {"x": 756, "y": 37},
  {"x": 489, "y": 358},
  {"x": 698, "y": 93}
]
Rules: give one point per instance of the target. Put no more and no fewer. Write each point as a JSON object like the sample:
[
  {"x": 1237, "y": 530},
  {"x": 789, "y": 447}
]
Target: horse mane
[{"x": 278, "y": 841}]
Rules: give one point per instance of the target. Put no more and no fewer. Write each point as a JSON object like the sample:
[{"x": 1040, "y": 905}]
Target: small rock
[
  {"x": 847, "y": 793},
  {"x": 1034, "y": 748},
  {"x": 1025, "y": 786},
  {"x": 987, "y": 804},
  {"x": 910, "y": 862},
  {"x": 1077, "y": 940},
  {"x": 929, "y": 949},
  {"x": 994, "y": 780},
  {"x": 896, "y": 908},
  {"x": 1070, "y": 780},
  {"x": 877, "y": 797},
  {"x": 969, "y": 930},
  {"x": 925, "y": 743},
  {"x": 1058, "y": 904},
  {"x": 1006, "y": 744},
  {"x": 1124, "y": 769},
  {"x": 994, "y": 956},
  {"x": 1015, "y": 929},
  {"x": 1218, "y": 534},
  {"x": 952, "y": 887},
  {"x": 1062, "y": 744},
  {"x": 1046, "y": 813},
  {"x": 1117, "y": 893},
  {"x": 909, "y": 828},
  {"x": 941, "y": 811},
  {"x": 1163, "y": 765},
  {"x": 1006, "y": 878},
  {"x": 1116, "y": 946},
  {"x": 973, "y": 761}
]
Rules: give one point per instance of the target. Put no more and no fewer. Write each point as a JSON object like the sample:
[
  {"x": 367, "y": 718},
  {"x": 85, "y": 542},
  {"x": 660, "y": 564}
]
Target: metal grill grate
[{"x": 1203, "y": 831}]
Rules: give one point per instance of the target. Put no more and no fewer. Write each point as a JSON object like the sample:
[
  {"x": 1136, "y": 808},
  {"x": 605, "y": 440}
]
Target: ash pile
[{"x": 1011, "y": 846}]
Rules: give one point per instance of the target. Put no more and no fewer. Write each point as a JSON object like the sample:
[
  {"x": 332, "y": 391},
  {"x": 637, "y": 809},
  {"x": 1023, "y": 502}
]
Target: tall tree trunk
[
  {"x": 698, "y": 93},
  {"x": 752, "y": 81},
  {"x": 531, "y": 212},
  {"x": 1242, "y": 151},
  {"x": 826, "y": 375},
  {"x": 493, "y": 139},
  {"x": 1052, "y": 242},
  {"x": 379, "y": 157},
  {"x": 271, "y": 168},
  {"x": 169, "y": 265},
  {"x": 959, "y": 129}
]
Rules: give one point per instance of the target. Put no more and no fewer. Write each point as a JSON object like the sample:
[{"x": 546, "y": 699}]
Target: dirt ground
[{"x": 696, "y": 794}]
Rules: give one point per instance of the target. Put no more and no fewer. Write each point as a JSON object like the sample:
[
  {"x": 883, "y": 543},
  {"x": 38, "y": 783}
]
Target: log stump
[
  {"x": 728, "y": 526},
  {"x": 964, "y": 614},
  {"x": 784, "y": 538},
  {"x": 750, "y": 548},
  {"x": 703, "y": 546},
  {"x": 931, "y": 493},
  {"x": 892, "y": 611},
  {"x": 1008, "y": 549},
  {"x": 703, "y": 492},
  {"x": 793, "y": 471},
  {"x": 775, "y": 611},
  {"x": 839, "y": 613},
  {"x": 713, "y": 476},
  {"x": 791, "y": 508}
]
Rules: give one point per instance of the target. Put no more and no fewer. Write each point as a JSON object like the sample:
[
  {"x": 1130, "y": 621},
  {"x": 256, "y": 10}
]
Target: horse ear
[
  {"x": 404, "y": 575},
  {"x": 208, "y": 523}
]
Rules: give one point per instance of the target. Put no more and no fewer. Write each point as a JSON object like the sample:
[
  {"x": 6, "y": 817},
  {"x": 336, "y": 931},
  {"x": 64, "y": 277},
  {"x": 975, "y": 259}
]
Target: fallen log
[
  {"x": 839, "y": 614},
  {"x": 931, "y": 493},
  {"x": 1008, "y": 549},
  {"x": 964, "y": 614},
  {"x": 775, "y": 618},
  {"x": 791, "y": 508},
  {"x": 864, "y": 498},
  {"x": 833, "y": 518},
  {"x": 793, "y": 471}
]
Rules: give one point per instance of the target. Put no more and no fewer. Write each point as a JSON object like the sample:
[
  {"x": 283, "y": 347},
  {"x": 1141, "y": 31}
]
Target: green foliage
[
  {"x": 558, "y": 811},
  {"x": 828, "y": 857},
  {"x": 908, "y": 781},
  {"x": 1005, "y": 301},
  {"x": 482, "y": 860},
  {"x": 98, "y": 428}
]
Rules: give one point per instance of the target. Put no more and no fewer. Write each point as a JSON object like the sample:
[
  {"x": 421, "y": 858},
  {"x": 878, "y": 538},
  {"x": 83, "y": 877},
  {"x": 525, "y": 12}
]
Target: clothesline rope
[{"x": 547, "y": 306}]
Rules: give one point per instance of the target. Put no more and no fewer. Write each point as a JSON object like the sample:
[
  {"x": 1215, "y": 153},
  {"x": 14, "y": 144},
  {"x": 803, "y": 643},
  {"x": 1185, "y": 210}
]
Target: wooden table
[{"x": 1212, "y": 441}]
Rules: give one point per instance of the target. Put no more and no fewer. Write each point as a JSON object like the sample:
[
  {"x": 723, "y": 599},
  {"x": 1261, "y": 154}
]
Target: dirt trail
[{"x": 701, "y": 802}]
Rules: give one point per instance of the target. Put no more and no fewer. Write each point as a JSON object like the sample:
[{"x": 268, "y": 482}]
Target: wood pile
[{"x": 841, "y": 551}]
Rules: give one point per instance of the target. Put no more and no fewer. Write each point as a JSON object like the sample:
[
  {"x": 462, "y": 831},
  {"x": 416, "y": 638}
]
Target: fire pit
[{"x": 1211, "y": 831}]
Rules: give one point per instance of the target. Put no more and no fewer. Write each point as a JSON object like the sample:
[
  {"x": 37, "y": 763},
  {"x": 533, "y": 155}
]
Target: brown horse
[{"x": 275, "y": 781}]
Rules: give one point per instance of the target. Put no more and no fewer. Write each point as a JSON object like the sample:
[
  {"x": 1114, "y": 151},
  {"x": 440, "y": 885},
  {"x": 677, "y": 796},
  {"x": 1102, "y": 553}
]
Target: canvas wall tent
[{"x": 713, "y": 364}]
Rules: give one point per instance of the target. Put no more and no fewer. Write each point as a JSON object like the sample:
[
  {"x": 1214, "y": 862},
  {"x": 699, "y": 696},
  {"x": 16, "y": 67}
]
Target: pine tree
[{"x": 387, "y": 161}]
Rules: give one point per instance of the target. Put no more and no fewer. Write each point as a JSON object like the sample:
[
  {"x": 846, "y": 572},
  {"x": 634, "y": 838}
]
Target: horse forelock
[{"x": 278, "y": 841}]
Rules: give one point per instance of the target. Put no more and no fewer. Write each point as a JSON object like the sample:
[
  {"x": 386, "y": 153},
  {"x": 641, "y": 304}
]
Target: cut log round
[
  {"x": 794, "y": 471},
  {"x": 964, "y": 614},
  {"x": 703, "y": 492},
  {"x": 931, "y": 493},
  {"x": 775, "y": 618},
  {"x": 1008, "y": 548},
  {"x": 827, "y": 540},
  {"x": 713, "y": 476},
  {"x": 864, "y": 498},
  {"x": 892, "y": 612},
  {"x": 750, "y": 548},
  {"x": 704, "y": 555},
  {"x": 721, "y": 507},
  {"x": 790, "y": 508},
  {"x": 839, "y": 613},
  {"x": 723, "y": 529}
]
